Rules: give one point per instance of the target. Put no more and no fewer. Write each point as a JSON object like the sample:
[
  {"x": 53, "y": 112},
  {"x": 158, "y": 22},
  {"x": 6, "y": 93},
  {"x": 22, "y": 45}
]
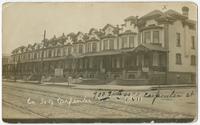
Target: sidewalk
[
  {"x": 102, "y": 87},
  {"x": 117, "y": 87},
  {"x": 108, "y": 86}
]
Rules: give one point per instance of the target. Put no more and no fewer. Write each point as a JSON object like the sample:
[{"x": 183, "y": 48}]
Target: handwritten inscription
[
  {"x": 115, "y": 95},
  {"x": 128, "y": 96},
  {"x": 59, "y": 101}
]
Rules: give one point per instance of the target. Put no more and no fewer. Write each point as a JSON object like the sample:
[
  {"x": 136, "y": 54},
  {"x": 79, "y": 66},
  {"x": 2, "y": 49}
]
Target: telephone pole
[{"x": 42, "y": 56}]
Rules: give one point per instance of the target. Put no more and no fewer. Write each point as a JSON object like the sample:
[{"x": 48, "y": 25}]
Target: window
[
  {"x": 87, "y": 47},
  {"x": 147, "y": 37},
  {"x": 178, "y": 58},
  {"x": 74, "y": 48},
  {"x": 69, "y": 50},
  {"x": 131, "y": 41},
  {"x": 58, "y": 52},
  {"x": 155, "y": 36},
  {"x": 124, "y": 42},
  {"x": 105, "y": 44},
  {"x": 193, "y": 42},
  {"x": 94, "y": 47},
  {"x": 111, "y": 43},
  {"x": 49, "y": 54},
  {"x": 193, "y": 60},
  {"x": 80, "y": 48},
  {"x": 178, "y": 39}
]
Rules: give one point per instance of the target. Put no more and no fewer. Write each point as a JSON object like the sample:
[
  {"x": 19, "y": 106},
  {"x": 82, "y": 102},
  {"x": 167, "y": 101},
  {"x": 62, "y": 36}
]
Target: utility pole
[{"x": 42, "y": 56}]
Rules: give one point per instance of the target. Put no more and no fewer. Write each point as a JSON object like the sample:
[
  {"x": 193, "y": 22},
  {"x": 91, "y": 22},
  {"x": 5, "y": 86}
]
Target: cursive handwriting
[{"x": 58, "y": 101}]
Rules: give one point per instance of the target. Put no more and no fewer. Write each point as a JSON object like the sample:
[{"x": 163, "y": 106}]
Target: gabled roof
[
  {"x": 72, "y": 36},
  {"x": 109, "y": 25},
  {"x": 152, "y": 14},
  {"x": 93, "y": 29},
  {"x": 115, "y": 29},
  {"x": 175, "y": 14},
  {"x": 131, "y": 18}
]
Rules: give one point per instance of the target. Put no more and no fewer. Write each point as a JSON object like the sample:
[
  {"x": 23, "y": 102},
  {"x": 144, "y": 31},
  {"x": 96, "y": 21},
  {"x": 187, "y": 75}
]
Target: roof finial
[{"x": 164, "y": 7}]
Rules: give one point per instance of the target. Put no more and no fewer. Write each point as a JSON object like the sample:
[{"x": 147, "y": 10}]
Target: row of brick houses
[{"x": 158, "y": 47}]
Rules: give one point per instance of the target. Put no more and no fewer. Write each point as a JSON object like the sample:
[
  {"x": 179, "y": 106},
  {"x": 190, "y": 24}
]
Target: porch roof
[
  {"x": 108, "y": 52},
  {"x": 150, "y": 47}
]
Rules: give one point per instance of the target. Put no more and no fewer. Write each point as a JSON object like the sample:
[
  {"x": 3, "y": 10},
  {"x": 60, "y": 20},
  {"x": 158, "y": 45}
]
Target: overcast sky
[{"x": 24, "y": 23}]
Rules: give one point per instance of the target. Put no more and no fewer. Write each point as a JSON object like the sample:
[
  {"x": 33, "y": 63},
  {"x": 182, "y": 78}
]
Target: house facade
[{"x": 159, "y": 47}]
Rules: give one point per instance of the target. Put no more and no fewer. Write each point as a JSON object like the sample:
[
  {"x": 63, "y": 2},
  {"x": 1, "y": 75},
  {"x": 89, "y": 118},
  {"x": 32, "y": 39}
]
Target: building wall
[{"x": 185, "y": 48}]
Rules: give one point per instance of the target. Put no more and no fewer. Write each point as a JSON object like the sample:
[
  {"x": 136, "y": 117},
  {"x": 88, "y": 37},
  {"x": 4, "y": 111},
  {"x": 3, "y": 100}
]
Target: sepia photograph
[{"x": 99, "y": 62}]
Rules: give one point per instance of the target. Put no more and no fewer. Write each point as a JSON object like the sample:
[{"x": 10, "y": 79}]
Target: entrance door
[{"x": 140, "y": 61}]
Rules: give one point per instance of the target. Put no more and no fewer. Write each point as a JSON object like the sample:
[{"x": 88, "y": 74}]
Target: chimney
[{"x": 185, "y": 11}]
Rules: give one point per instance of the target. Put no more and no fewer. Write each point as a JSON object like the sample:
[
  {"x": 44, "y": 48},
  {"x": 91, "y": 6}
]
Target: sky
[{"x": 24, "y": 23}]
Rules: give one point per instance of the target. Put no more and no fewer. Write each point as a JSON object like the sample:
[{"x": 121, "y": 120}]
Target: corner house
[{"x": 157, "y": 48}]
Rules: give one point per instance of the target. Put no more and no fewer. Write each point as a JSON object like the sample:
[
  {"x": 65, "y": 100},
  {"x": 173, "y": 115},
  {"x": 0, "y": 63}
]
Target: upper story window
[
  {"x": 155, "y": 36},
  {"x": 178, "y": 39},
  {"x": 94, "y": 47},
  {"x": 131, "y": 41},
  {"x": 147, "y": 37},
  {"x": 105, "y": 44},
  {"x": 111, "y": 43},
  {"x": 178, "y": 58},
  {"x": 88, "y": 47},
  {"x": 193, "y": 60},
  {"x": 74, "y": 49},
  {"x": 80, "y": 48},
  {"x": 69, "y": 50},
  {"x": 53, "y": 53},
  {"x": 193, "y": 42},
  {"x": 49, "y": 54},
  {"x": 29, "y": 56},
  {"x": 124, "y": 42},
  {"x": 58, "y": 52}
]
